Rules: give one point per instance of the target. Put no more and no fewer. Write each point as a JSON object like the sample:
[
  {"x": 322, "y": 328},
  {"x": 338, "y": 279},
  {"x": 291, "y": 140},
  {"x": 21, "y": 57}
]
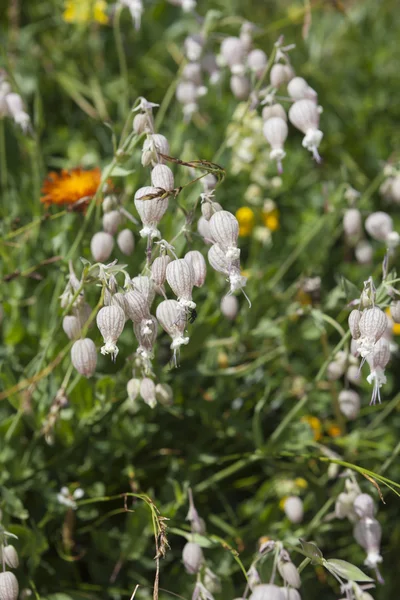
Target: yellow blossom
[
  {"x": 334, "y": 431},
  {"x": 271, "y": 222},
  {"x": 85, "y": 11},
  {"x": 301, "y": 483},
  {"x": 315, "y": 425},
  {"x": 395, "y": 326},
  {"x": 245, "y": 217}
]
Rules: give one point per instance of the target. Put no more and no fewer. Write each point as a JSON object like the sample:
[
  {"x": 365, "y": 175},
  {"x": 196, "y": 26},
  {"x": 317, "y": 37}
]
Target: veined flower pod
[
  {"x": 126, "y": 242},
  {"x": 298, "y": 89},
  {"x": 118, "y": 299},
  {"x": 363, "y": 252},
  {"x": 287, "y": 570},
  {"x": 72, "y": 327},
  {"x": 180, "y": 277},
  {"x": 273, "y": 110},
  {"x": 293, "y": 508},
  {"x": 280, "y": 74},
  {"x": 304, "y": 115},
  {"x": 146, "y": 334},
  {"x": 267, "y": 591},
  {"x": 148, "y": 392},
  {"x": 192, "y": 557},
  {"x": 349, "y": 404},
  {"x": 153, "y": 146},
  {"x": 164, "y": 394},
  {"x": 353, "y": 375},
  {"x": 109, "y": 203},
  {"x": 218, "y": 260},
  {"x": 379, "y": 225},
  {"x": 133, "y": 389},
  {"x": 151, "y": 209},
  {"x": 395, "y": 311},
  {"x": 240, "y": 86},
  {"x": 9, "y": 589},
  {"x": 101, "y": 246},
  {"x": 10, "y": 556},
  {"x": 377, "y": 359},
  {"x": 368, "y": 533},
  {"x": 275, "y": 131},
  {"x": 111, "y": 221},
  {"x": 110, "y": 321},
  {"x": 162, "y": 177},
  {"x": 137, "y": 307},
  {"x": 364, "y": 506},
  {"x": 192, "y": 72},
  {"x": 372, "y": 325},
  {"x": 141, "y": 124},
  {"x": 229, "y": 307},
  {"x": 172, "y": 318},
  {"x": 233, "y": 53},
  {"x": 352, "y": 224},
  {"x": 84, "y": 357},
  {"x": 257, "y": 61},
  {"x": 354, "y": 323},
  {"x": 203, "y": 227},
  {"x": 335, "y": 370},
  {"x": 198, "y": 264},
  {"x": 145, "y": 286},
  {"x": 159, "y": 268},
  {"x": 209, "y": 208},
  {"x": 209, "y": 182},
  {"x": 224, "y": 229}
]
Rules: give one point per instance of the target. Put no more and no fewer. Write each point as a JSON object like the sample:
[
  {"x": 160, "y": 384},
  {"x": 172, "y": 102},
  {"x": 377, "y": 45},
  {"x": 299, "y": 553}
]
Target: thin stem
[
  {"x": 3, "y": 157},
  {"x": 121, "y": 58}
]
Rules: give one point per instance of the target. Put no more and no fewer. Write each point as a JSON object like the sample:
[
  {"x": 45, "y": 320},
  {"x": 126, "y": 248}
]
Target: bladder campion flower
[
  {"x": 69, "y": 186},
  {"x": 85, "y": 11},
  {"x": 245, "y": 217}
]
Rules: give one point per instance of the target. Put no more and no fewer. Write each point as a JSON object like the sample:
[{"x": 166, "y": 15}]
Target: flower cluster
[
  {"x": 11, "y": 105},
  {"x": 9, "y": 588}
]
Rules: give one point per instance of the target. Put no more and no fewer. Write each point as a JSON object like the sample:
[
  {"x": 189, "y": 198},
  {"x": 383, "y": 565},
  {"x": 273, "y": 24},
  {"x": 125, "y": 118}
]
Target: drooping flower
[{"x": 70, "y": 186}]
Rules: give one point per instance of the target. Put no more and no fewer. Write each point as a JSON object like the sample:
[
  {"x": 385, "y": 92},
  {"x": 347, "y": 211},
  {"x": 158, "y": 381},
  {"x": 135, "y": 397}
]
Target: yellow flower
[
  {"x": 395, "y": 326},
  {"x": 245, "y": 217},
  {"x": 315, "y": 425},
  {"x": 85, "y": 11},
  {"x": 334, "y": 431},
  {"x": 282, "y": 502},
  {"x": 223, "y": 360},
  {"x": 68, "y": 187},
  {"x": 271, "y": 219},
  {"x": 301, "y": 483}
]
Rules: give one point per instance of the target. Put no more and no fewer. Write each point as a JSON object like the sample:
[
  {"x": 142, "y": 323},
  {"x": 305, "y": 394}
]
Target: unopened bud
[
  {"x": 229, "y": 307},
  {"x": 164, "y": 394},
  {"x": 349, "y": 404},
  {"x": 364, "y": 506},
  {"x": 110, "y": 321},
  {"x": 363, "y": 252},
  {"x": 379, "y": 225},
  {"x": 198, "y": 264},
  {"x": 126, "y": 242},
  {"x": 101, "y": 246},
  {"x": 84, "y": 357},
  {"x": 354, "y": 323},
  {"x": 275, "y": 110},
  {"x": 109, "y": 203},
  {"x": 257, "y": 61},
  {"x": 288, "y": 571},
  {"x": 352, "y": 223},
  {"x": 280, "y": 74},
  {"x": 192, "y": 557},
  {"x": 298, "y": 89},
  {"x": 71, "y": 326},
  {"x": 240, "y": 86},
  {"x": 162, "y": 177},
  {"x": 293, "y": 508},
  {"x": 8, "y": 586},
  {"x": 148, "y": 392},
  {"x": 111, "y": 221},
  {"x": 10, "y": 556},
  {"x": 159, "y": 268},
  {"x": 233, "y": 51},
  {"x": 395, "y": 311},
  {"x": 133, "y": 389}
]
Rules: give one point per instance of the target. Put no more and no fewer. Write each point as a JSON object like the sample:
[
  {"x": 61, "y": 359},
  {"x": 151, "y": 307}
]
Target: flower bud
[
  {"x": 159, "y": 268},
  {"x": 146, "y": 335},
  {"x": 267, "y": 591},
  {"x": 379, "y": 225},
  {"x": 335, "y": 370},
  {"x": 209, "y": 208},
  {"x": 395, "y": 311},
  {"x": 353, "y": 375},
  {"x": 280, "y": 74},
  {"x": 126, "y": 242},
  {"x": 133, "y": 389},
  {"x": 349, "y": 404},
  {"x": 203, "y": 227},
  {"x": 240, "y": 86},
  {"x": 111, "y": 221},
  {"x": 101, "y": 246},
  {"x": 118, "y": 299},
  {"x": 196, "y": 260},
  {"x": 162, "y": 177},
  {"x": 209, "y": 182},
  {"x": 171, "y": 316},
  {"x": 352, "y": 223},
  {"x": 192, "y": 72},
  {"x": 192, "y": 557},
  {"x": 304, "y": 115},
  {"x": 275, "y": 131},
  {"x": 364, "y": 506},
  {"x": 180, "y": 277},
  {"x": 372, "y": 324},
  {"x": 84, "y": 357},
  {"x": 110, "y": 321},
  {"x": 363, "y": 252},
  {"x": 72, "y": 327},
  {"x": 137, "y": 307},
  {"x": 257, "y": 61},
  {"x": 164, "y": 394},
  {"x": 298, "y": 89},
  {"x": 151, "y": 209},
  {"x": 354, "y": 322},
  {"x": 153, "y": 146},
  {"x": 293, "y": 508},
  {"x": 109, "y": 203},
  {"x": 141, "y": 124},
  {"x": 193, "y": 47},
  {"x": 229, "y": 307},
  {"x": 233, "y": 51},
  {"x": 217, "y": 259},
  {"x": 148, "y": 392},
  {"x": 274, "y": 110},
  {"x": 10, "y": 556},
  {"x": 8, "y": 586},
  {"x": 288, "y": 571},
  {"x": 186, "y": 92}
]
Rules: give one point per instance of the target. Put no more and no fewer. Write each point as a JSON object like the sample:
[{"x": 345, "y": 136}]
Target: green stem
[
  {"x": 3, "y": 157},
  {"x": 121, "y": 59}
]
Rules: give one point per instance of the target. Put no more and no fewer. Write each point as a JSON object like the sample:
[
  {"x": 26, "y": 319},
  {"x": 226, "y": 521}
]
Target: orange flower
[
  {"x": 70, "y": 186},
  {"x": 315, "y": 425}
]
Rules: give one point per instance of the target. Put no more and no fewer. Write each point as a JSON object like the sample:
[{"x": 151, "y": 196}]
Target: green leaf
[
  {"x": 344, "y": 569},
  {"x": 121, "y": 172},
  {"x": 193, "y": 537},
  {"x": 312, "y": 551}
]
